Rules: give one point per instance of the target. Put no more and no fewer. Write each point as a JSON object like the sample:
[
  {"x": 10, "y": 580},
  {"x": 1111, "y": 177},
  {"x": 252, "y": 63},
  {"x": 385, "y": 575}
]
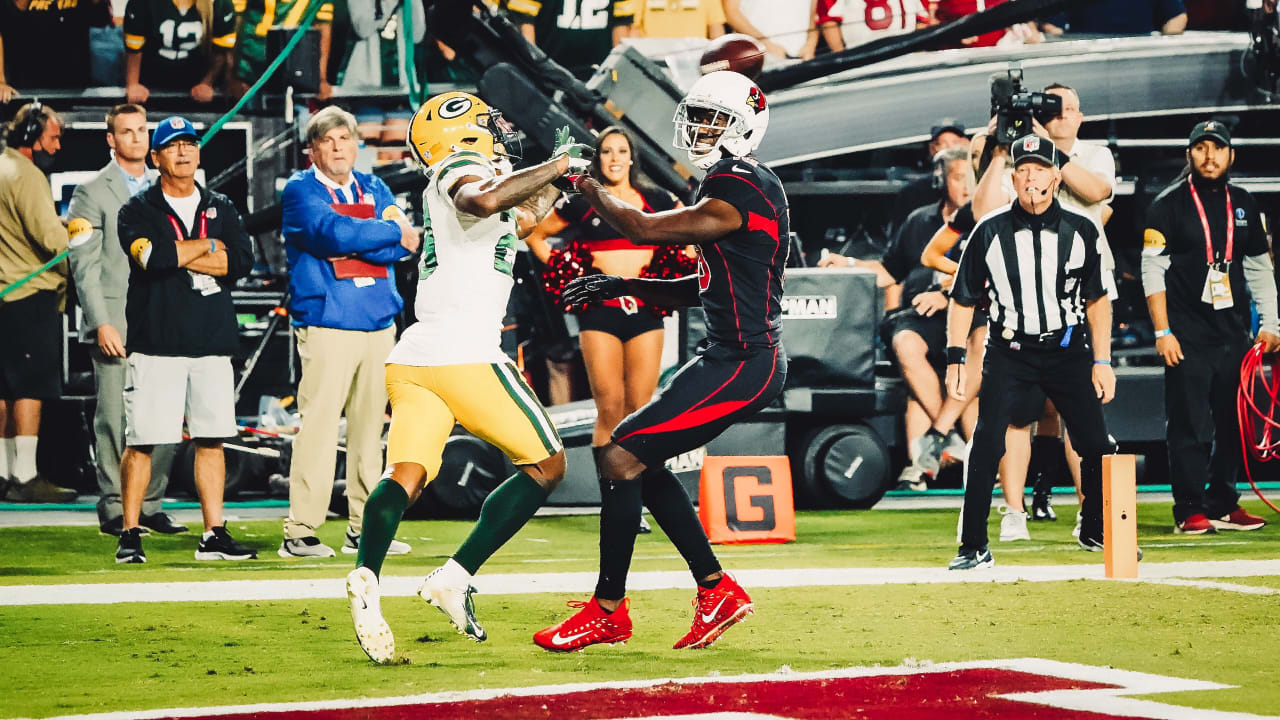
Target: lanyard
[
  {"x": 337, "y": 201},
  {"x": 177, "y": 229},
  {"x": 1204, "y": 223}
]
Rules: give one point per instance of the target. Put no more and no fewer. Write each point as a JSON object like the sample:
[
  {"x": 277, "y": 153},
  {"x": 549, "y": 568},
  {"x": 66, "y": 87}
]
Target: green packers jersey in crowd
[
  {"x": 575, "y": 33},
  {"x": 259, "y": 16},
  {"x": 170, "y": 40}
]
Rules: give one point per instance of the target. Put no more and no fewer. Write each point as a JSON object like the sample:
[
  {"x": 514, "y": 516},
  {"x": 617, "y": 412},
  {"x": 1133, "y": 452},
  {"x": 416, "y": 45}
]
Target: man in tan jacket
[{"x": 30, "y": 356}]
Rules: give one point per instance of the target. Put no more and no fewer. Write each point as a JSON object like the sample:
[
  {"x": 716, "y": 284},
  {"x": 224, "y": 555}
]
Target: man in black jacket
[{"x": 187, "y": 248}]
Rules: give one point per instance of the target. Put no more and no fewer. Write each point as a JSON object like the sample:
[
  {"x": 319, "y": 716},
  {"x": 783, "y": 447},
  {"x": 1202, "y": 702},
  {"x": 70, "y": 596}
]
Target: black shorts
[
  {"x": 932, "y": 329},
  {"x": 618, "y": 322},
  {"x": 719, "y": 387},
  {"x": 31, "y": 348}
]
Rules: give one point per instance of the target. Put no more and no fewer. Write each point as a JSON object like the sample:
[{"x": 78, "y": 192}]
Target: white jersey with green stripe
[{"x": 464, "y": 276}]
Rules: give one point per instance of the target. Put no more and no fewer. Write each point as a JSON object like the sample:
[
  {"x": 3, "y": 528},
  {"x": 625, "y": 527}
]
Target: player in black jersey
[
  {"x": 177, "y": 45},
  {"x": 740, "y": 224}
]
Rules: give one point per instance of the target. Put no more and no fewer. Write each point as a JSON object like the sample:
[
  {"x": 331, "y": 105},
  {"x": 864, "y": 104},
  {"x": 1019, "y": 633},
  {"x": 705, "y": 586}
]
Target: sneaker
[
  {"x": 372, "y": 632},
  {"x": 1239, "y": 519},
  {"x": 162, "y": 523},
  {"x": 221, "y": 546},
  {"x": 129, "y": 547},
  {"x": 1075, "y": 532},
  {"x": 1013, "y": 526},
  {"x": 972, "y": 559},
  {"x": 112, "y": 527},
  {"x": 956, "y": 449},
  {"x": 931, "y": 446},
  {"x": 913, "y": 479},
  {"x": 1095, "y": 545},
  {"x": 715, "y": 611},
  {"x": 39, "y": 490},
  {"x": 645, "y": 528},
  {"x": 351, "y": 545},
  {"x": 1042, "y": 506},
  {"x": 309, "y": 546},
  {"x": 1196, "y": 524},
  {"x": 454, "y": 601},
  {"x": 591, "y": 625}
]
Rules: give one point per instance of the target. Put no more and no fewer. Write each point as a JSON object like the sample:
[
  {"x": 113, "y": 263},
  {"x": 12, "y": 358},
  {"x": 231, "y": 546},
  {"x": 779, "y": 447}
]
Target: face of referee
[
  {"x": 1210, "y": 159},
  {"x": 1035, "y": 184}
]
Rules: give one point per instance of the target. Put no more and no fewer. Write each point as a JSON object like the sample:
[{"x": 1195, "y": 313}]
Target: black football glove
[{"x": 594, "y": 288}]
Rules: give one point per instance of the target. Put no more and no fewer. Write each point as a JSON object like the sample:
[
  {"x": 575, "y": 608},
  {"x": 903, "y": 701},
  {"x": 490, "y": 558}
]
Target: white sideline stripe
[
  {"x": 583, "y": 582},
  {"x": 1105, "y": 701},
  {"x": 1211, "y": 585}
]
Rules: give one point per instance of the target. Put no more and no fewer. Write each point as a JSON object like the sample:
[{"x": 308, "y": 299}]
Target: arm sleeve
[
  {"x": 310, "y": 224},
  {"x": 325, "y": 13},
  {"x": 34, "y": 205},
  {"x": 623, "y": 13},
  {"x": 388, "y": 210},
  {"x": 731, "y": 188},
  {"x": 523, "y": 12},
  {"x": 1105, "y": 165},
  {"x": 1260, "y": 277},
  {"x": 963, "y": 221},
  {"x": 239, "y": 246},
  {"x": 971, "y": 278},
  {"x": 224, "y": 24},
  {"x": 86, "y": 255},
  {"x": 896, "y": 261},
  {"x": 1169, "y": 9},
  {"x": 147, "y": 249},
  {"x": 136, "y": 25}
]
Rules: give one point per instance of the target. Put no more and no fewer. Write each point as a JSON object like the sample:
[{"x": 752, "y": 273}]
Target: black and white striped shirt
[{"x": 1038, "y": 271}]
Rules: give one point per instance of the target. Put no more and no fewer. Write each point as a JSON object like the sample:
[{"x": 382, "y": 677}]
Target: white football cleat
[
  {"x": 372, "y": 632},
  {"x": 454, "y": 600}
]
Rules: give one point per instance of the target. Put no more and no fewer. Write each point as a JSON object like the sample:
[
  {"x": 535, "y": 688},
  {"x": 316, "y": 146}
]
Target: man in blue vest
[{"x": 343, "y": 232}]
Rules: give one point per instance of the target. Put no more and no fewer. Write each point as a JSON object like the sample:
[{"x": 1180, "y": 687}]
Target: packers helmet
[{"x": 455, "y": 121}]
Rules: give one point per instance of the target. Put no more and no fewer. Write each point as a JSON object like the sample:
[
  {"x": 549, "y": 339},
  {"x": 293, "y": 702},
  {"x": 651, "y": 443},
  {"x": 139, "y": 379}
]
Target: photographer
[{"x": 1204, "y": 255}]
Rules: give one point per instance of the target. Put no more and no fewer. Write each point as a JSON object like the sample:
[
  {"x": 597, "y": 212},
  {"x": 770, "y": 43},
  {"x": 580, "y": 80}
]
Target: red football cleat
[
  {"x": 591, "y": 625},
  {"x": 1239, "y": 519},
  {"x": 715, "y": 611},
  {"x": 1196, "y": 524}
]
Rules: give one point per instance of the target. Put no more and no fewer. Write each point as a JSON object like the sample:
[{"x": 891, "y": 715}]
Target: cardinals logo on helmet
[{"x": 755, "y": 99}]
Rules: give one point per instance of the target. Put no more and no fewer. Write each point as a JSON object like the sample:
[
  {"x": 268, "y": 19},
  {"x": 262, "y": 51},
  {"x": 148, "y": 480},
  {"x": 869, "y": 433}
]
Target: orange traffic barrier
[
  {"x": 747, "y": 499},
  {"x": 1120, "y": 515}
]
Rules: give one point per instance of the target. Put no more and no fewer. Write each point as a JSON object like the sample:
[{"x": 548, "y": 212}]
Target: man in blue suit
[{"x": 343, "y": 232}]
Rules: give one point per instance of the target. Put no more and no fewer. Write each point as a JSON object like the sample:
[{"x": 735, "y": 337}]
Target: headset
[{"x": 32, "y": 127}]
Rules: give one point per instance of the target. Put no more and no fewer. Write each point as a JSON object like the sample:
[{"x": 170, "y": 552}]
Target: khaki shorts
[
  {"x": 163, "y": 390},
  {"x": 492, "y": 401}
]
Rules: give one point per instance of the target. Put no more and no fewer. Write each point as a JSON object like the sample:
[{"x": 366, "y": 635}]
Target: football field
[{"x": 857, "y": 618}]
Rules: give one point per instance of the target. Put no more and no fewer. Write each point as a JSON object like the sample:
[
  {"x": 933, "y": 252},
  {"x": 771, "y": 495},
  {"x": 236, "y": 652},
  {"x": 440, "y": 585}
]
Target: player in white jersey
[
  {"x": 448, "y": 366},
  {"x": 849, "y": 23}
]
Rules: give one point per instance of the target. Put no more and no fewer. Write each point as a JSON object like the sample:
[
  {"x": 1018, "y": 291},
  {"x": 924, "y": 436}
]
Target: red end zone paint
[{"x": 927, "y": 696}]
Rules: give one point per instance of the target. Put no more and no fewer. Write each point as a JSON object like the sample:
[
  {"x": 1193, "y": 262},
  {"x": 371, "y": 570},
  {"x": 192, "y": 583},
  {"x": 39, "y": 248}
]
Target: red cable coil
[{"x": 1262, "y": 446}]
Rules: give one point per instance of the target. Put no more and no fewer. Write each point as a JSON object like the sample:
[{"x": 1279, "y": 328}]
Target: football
[{"x": 737, "y": 52}]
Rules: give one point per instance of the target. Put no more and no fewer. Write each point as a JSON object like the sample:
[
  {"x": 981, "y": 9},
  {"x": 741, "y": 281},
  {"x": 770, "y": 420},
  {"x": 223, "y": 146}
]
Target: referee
[
  {"x": 1039, "y": 267},
  {"x": 1204, "y": 257}
]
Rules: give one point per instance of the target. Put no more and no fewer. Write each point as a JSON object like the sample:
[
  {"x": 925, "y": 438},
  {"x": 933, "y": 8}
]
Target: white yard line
[
  {"x": 1106, "y": 701},
  {"x": 581, "y": 583},
  {"x": 1211, "y": 585}
]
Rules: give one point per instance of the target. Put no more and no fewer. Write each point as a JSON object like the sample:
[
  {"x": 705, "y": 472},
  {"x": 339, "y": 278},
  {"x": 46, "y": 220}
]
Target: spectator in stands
[
  {"x": 343, "y": 233},
  {"x": 918, "y": 327},
  {"x": 1123, "y": 17},
  {"x": 188, "y": 249},
  {"x": 945, "y": 11},
  {"x": 849, "y": 23},
  {"x": 787, "y": 28},
  {"x": 947, "y": 133},
  {"x": 101, "y": 270},
  {"x": 177, "y": 45},
  {"x": 577, "y": 34},
  {"x": 30, "y": 327},
  {"x": 45, "y": 43},
  {"x": 259, "y": 16},
  {"x": 679, "y": 18}
]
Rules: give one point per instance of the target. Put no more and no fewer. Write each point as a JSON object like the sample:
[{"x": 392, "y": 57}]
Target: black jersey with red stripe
[{"x": 740, "y": 275}]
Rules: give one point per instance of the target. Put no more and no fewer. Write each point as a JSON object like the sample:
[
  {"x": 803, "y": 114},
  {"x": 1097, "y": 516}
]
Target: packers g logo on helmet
[{"x": 456, "y": 121}]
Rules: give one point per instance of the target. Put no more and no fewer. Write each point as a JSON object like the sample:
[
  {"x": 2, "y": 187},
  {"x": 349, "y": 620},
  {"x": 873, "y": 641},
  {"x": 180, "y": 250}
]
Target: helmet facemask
[{"x": 506, "y": 139}]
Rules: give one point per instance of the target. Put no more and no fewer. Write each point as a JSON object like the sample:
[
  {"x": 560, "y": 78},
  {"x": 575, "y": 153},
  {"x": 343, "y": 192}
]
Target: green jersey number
[{"x": 429, "y": 262}]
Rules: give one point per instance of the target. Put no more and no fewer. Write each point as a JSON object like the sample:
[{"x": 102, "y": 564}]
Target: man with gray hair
[{"x": 343, "y": 231}]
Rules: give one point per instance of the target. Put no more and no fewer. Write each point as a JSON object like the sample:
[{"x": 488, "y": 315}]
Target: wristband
[
  {"x": 1101, "y": 362},
  {"x": 1162, "y": 333},
  {"x": 955, "y": 355},
  {"x": 213, "y": 245}
]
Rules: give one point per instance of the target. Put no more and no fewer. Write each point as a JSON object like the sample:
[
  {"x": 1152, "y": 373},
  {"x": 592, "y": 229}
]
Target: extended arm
[
  {"x": 706, "y": 221},
  {"x": 485, "y": 197},
  {"x": 990, "y": 193},
  {"x": 531, "y": 213},
  {"x": 682, "y": 292}
]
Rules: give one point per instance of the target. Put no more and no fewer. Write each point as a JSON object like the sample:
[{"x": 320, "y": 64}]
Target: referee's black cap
[
  {"x": 1213, "y": 129},
  {"x": 1034, "y": 147}
]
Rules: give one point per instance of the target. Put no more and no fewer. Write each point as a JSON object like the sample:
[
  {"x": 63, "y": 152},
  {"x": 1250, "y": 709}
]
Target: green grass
[
  {"x": 879, "y": 538},
  {"x": 64, "y": 659}
]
